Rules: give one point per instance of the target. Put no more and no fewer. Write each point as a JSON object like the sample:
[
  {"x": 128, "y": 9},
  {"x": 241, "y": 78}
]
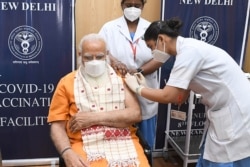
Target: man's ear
[{"x": 79, "y": 53}]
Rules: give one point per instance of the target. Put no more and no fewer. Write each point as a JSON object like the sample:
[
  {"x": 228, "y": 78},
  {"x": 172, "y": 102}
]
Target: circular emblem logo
[
  {"x": 25, "y": 42},
  {"x": 205, "y": 29}
]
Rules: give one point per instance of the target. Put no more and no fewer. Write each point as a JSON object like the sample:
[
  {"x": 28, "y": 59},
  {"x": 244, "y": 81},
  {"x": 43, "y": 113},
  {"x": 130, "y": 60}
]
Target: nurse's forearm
[
  {"x": 166, "y": 95},
  {"x": 150, "y": 67}
]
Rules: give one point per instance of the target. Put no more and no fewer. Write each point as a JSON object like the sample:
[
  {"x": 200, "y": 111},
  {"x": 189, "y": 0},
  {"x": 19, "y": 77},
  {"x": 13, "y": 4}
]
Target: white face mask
[
  {"x": 160, "y": 56},
  {"x": 95, "y": 68},
  {"x": 132, "y": 13}
]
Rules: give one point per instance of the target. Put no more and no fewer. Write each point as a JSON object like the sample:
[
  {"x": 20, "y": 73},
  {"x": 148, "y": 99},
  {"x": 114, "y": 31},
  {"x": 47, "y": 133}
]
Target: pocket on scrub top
[{"x": 221, "y": 123}]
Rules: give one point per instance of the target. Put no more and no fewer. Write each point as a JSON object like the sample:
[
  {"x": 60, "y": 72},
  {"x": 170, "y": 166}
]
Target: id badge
[{"x": 180, "y": 115}]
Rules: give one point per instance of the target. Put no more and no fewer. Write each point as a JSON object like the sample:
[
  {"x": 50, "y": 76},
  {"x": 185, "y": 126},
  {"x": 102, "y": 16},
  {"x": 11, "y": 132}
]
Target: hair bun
[{"x": 174, "y": 23}]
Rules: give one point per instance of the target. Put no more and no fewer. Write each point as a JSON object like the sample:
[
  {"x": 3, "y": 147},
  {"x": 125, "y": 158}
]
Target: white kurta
[
  {"x": 119, "y": 42},
  {"x": 225, "y": 90}
]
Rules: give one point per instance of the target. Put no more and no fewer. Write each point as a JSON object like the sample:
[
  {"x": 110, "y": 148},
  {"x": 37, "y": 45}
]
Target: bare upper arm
[{"x": 131, "y": 100}]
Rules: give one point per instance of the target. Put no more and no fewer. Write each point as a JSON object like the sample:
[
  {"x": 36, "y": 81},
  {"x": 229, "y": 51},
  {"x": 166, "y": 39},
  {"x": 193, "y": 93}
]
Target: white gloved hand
[
  {"x": 133, "y": 84},
  {"x": 141, "y": 79}
]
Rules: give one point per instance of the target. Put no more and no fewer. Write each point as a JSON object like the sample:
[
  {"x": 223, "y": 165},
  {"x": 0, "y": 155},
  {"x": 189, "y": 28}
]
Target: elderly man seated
[{"x": 92, "y": 112}]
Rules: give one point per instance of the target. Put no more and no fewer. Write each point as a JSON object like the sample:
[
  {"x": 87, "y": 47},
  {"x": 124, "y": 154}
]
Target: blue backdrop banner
[
  {"x": 223, "y": 23},
  {"x": 36, "y": 50}
]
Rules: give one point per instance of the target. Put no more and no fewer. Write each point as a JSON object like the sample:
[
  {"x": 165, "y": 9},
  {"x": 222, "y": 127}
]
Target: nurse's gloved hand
[
  {"x": 131, "y": 81},
  {"x": 141, "y": 79},
  {"x": 133, "y": 84}
]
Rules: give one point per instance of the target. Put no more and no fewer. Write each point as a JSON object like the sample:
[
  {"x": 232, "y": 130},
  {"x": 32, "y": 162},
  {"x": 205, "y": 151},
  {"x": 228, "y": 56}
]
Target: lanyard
[{"x": 133, "y": 47}]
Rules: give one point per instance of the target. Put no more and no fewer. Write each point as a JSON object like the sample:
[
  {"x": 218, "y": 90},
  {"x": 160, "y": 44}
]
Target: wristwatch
[{"x": 139, "y": 70}]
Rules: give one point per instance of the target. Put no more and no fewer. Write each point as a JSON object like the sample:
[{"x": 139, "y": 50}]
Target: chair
[
  {"x": 143, "y": 142},
  {"x": 146, "y": 147}
]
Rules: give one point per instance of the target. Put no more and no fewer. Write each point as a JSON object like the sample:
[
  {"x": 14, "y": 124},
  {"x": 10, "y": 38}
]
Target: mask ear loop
[
  {"x": 160, "y": 27},
  {"x": 108, "y": 61},
  {"x": 164, "y": 49},
  {"x": 157, "y": 41}
]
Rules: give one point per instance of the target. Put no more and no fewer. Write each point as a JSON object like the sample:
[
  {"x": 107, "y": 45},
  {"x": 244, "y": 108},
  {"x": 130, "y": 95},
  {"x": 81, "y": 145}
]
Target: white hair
[{"x": 91, "y": 37}]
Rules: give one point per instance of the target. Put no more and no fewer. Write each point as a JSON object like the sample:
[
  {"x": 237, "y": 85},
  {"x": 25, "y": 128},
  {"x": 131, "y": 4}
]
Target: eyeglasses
[
  {"x": 136, "y": 5},
  {"x": 89, "y": 57}
]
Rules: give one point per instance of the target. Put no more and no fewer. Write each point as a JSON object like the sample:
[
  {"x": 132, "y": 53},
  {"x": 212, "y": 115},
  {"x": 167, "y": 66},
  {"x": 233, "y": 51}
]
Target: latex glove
[
  {"x": 141, "y": 79},
  {"x": 131, "y": 81},
  {"x": 133, "y": 84}
]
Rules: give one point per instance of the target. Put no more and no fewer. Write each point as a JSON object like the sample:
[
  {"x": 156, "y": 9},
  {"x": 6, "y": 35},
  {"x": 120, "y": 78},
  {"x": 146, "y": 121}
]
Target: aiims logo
[
  {"x": 205, "y": 29},
  {"x": 25, "y": 42}
]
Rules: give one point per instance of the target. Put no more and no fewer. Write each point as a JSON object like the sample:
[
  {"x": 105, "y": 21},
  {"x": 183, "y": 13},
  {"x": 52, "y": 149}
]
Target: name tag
[{"x": 180, "y": 115}]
